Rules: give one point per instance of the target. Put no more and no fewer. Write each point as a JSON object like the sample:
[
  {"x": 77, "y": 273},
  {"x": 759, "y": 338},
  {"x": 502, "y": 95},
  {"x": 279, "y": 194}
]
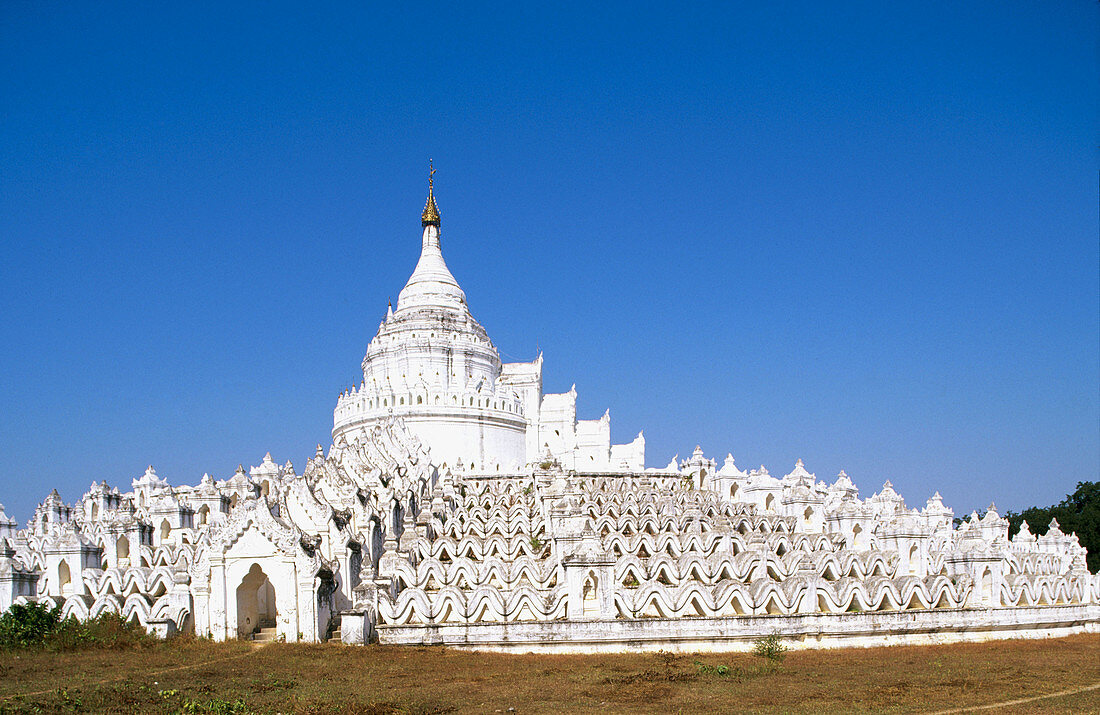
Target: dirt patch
[{"x": 200, "y": 676}]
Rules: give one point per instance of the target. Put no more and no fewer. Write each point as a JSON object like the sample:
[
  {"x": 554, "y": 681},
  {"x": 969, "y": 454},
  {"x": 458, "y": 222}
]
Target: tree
[{"x": 1078, "y": 513}]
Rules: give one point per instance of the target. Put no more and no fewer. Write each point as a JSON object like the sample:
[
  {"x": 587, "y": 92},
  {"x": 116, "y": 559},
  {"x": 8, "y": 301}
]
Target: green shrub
[
  {"x": 27, "y": 625},
  {"x": 770, "y": 647},
  {"x": 106, "y": 631},
  {"x": 34, "y": 625}
]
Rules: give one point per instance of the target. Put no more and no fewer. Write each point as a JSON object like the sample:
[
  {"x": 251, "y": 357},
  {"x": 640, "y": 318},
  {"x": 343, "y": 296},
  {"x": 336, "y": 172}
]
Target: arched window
[{"x": 419, "y": 400}]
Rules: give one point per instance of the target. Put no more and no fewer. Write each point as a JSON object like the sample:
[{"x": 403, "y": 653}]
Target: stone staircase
[
  {"x": 265, "y": 632},
  {"x": 335, "y": 636}
]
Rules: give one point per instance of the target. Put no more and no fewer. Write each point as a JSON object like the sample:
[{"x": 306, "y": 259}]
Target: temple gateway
[{"x": 459, "y": 504}]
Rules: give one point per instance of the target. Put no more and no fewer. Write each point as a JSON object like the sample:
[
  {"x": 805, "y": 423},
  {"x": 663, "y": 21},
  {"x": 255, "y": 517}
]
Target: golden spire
[{"x": 430, "y": 216}]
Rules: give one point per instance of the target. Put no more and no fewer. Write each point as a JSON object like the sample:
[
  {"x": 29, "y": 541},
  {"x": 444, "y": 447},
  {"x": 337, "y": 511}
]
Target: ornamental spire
[{"x": 430, "y": 216}]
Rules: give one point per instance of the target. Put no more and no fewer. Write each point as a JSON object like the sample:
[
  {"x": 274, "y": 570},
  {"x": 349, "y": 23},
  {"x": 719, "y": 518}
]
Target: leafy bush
[
  {"x": 770, "y": 647},
  {"x": 106, "y": 631},
  {"x": 27, "y": 625},
  {"x": 34, "y": 625}
]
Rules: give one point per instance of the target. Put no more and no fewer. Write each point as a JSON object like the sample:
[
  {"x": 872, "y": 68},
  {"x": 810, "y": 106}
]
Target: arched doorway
[{"x": 255, "y": 602}]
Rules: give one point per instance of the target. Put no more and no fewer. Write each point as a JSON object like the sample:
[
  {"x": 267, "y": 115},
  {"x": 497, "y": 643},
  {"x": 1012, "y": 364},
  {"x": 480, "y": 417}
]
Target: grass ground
[{"x": 195, "y": 676}]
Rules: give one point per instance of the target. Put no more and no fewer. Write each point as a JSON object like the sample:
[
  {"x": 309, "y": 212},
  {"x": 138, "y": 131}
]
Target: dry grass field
[{"x": 192, "y": 676}]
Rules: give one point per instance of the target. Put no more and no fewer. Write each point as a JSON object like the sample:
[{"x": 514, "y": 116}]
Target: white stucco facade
[{"x": 459, "y": 504}]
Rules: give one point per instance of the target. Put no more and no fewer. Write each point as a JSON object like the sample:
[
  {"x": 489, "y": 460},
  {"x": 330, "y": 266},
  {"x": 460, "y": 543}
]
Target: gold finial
[{"x": 430, "y": 216}]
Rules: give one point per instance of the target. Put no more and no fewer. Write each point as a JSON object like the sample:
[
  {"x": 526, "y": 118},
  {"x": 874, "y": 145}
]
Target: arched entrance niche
[
  {"x": 255, "y": 602},
  {"x": 590, "y": 604},
  {"x": 64, "y": 579}
]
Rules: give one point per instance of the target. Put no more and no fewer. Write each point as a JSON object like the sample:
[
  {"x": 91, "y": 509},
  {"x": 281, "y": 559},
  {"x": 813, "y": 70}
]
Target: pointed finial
[{"x": 430, "y": 216}]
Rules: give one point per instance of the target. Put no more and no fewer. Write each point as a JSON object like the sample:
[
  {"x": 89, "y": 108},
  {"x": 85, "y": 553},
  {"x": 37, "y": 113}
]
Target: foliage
[
  {"x": 216, "y": 706},
  {"x": 1078, "y": 513},
  {"x": 26, "y": 625},
  {"x": 192, "y": 706},
  {"x": 770, "y": 647},
  {"x": 35, "y": 625},
  {"x": 721, "y": 670}
]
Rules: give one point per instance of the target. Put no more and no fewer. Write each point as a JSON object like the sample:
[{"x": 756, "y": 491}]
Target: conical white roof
[{"x": 431, "y": 283}]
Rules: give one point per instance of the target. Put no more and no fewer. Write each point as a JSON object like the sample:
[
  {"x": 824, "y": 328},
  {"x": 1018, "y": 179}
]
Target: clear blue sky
[{"x": 863, "y": 234}]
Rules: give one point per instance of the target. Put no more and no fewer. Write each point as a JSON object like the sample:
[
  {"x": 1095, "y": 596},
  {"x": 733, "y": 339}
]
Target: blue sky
[{"x": 864, "y": 235}]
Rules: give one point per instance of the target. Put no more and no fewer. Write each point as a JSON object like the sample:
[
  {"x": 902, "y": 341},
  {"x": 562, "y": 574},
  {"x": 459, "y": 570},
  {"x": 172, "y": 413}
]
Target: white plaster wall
[{"x": 803, "y": 631}]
